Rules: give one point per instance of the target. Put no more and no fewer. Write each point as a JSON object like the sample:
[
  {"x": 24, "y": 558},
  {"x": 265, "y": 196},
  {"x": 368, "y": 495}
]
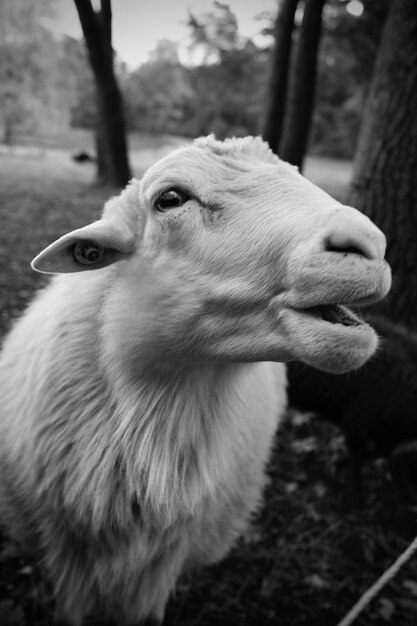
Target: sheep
[
  {"x": 142, "y": 389},
  {"x": 374, "y": 406}
]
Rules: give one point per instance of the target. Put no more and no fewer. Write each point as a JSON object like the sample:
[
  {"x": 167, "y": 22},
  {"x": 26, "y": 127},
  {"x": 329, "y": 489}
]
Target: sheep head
[{"x": 223, "y": 252}]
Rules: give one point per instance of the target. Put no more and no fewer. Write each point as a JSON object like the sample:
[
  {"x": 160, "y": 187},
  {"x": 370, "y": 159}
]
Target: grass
[{"x": 307, "y": 558}]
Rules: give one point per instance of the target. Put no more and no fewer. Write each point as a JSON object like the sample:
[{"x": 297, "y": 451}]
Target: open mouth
[
  {"x": 330, "y": 337},
  {"x": 335, "y": 314}
]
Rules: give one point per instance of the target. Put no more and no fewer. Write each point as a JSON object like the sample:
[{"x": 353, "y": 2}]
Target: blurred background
[
  {"x": 92, "y": 93},
  {"x": 186, "y": 69}
]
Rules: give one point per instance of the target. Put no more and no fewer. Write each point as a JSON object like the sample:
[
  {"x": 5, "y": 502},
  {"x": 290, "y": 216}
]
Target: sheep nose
[{"x": 354, "y": 233}]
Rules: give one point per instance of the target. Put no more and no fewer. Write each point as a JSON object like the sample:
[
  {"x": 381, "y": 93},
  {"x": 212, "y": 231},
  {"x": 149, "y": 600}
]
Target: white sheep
[{"x": 139, "y": 401}]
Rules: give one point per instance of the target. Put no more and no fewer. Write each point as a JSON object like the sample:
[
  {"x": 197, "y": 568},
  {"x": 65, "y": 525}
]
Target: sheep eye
[{"x": 171, "y": 199}]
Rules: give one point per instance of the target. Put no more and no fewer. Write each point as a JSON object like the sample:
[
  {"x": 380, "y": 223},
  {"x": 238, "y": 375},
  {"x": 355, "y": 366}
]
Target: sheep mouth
[
  {"x": 335, "y": 314},
  {"x": 329, "y": 337}
]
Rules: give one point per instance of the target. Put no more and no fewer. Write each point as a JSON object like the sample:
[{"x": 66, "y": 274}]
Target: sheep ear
[{"x": 90, "y": 248}]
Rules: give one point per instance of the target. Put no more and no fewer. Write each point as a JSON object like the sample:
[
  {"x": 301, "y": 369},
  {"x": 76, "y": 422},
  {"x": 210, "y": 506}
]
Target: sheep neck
[{"x": 177, "y": 436}]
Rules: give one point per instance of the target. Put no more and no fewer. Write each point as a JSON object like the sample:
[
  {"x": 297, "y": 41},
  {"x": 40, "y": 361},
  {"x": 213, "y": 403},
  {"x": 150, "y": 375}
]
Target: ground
[{"x": 308, "y": 558}]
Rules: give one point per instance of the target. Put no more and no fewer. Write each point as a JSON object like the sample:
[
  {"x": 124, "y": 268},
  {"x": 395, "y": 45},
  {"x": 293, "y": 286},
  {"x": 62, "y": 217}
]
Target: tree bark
[
  {"x": 280, "y": 61},
  {"x": 384, "y": 184},
  {"x": 302, "y": 85},
  {"x": 111, "y": 132}
]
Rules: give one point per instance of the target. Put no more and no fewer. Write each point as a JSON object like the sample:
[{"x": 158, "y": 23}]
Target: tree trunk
[
  {"x": 280, "y": 61},
  {"x": 111, "y": 133},
  {"x": 103, "y": 159},
  {"x": 302, "y": 85},
  {"x": 384, "y": 184}
]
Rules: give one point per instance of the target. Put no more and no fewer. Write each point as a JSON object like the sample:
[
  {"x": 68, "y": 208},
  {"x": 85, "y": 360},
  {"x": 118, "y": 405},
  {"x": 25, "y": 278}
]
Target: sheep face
[{"x": 222, "y": 252}]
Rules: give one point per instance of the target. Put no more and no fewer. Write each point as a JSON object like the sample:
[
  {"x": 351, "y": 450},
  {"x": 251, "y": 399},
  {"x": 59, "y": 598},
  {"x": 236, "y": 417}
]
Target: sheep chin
[{"x": 332, "y": 347}]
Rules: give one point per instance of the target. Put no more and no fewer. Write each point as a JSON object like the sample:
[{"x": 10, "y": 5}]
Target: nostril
[
  {"x": 348, "y": 232},
  {"x": 344, "y": 244},
  {"x": 345, "y": 249}
]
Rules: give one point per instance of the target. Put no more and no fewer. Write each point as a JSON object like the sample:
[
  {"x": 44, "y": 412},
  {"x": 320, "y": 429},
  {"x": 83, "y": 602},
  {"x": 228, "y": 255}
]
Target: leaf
[
  {"x": 319, "y": 489},
  {"x": 302, "y": 446},
  {"x": 267, "y": 588},
  {"x": 337, "y": 443},
  {"x": 291, "y": 487},
  {"x": 316, "y": 581},
  {"x": 386, "y": 609},
  {"x": 301, "y": 419},
  {"x": 411, "y": 586}
]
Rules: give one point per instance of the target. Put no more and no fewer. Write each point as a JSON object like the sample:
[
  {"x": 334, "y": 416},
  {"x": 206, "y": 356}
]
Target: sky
[{"x": 139, "y": 24}]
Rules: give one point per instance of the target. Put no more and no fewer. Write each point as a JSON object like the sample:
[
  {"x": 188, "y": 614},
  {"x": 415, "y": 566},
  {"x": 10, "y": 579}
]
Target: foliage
[
  {"x": 30, "y": 81},
  {"x": 221, "y": 89},
  {"x": 348, "y": 50},
  {"x": 80, "y": 83},
  {"x": 158, "y": 95},
  {"x": 226, "y": 111},
  {"x": 166, "y": 95},
  {"x": 215, "y": 33}
]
